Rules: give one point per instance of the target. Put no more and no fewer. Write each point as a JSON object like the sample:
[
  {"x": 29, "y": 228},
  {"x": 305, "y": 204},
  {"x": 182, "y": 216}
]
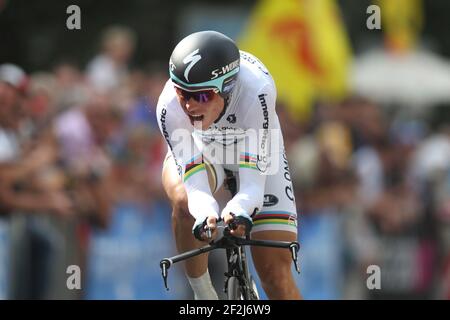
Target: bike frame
[{"x": 238, "y": 267}]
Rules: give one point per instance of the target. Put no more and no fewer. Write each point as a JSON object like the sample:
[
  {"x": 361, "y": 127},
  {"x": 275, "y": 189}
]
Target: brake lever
[
  {"x": 233, "y": 225},
  {"x": 165, "y": 265},
  {"x": 294, "y": 246},
  {"x": 208, "y": 232}
]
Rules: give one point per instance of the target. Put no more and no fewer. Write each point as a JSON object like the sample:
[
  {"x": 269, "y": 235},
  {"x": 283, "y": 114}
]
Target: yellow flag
[
  {"x": 304, "y": 46},
  {"x": 402, "y": 21}
]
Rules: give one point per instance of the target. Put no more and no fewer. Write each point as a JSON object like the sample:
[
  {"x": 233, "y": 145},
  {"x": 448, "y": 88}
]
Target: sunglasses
[{"x": 199, "y": 96}]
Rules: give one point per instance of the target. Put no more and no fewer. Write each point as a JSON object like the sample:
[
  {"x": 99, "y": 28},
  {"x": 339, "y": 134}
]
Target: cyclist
[{"x": 217, "y": 113}]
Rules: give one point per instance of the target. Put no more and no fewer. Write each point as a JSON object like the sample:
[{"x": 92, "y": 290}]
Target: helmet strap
[{"x": 226, "y": 100}]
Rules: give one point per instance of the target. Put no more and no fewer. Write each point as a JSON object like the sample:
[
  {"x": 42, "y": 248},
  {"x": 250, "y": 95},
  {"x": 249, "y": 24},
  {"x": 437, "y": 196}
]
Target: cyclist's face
[{"x": 202, "y": 108}]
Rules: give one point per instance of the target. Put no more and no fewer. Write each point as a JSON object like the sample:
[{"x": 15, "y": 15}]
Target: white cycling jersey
[{"x": 245, "y": 139}]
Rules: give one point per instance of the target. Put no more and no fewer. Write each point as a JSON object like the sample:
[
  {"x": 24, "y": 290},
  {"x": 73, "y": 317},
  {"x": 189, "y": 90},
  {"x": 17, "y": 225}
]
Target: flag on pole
[
  {"x": 305, "y": 47},
  {"x": 402, "y": 21}
]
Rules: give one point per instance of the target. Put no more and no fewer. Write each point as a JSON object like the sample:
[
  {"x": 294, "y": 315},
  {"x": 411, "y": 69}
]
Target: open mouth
[{"x": 196, "y": 118}]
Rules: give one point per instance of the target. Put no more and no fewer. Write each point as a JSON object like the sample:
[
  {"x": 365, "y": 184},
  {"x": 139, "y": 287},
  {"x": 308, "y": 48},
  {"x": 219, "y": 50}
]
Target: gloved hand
[
  {"x": 240, "y": 224},
  {"x": 202, "y": 225}
]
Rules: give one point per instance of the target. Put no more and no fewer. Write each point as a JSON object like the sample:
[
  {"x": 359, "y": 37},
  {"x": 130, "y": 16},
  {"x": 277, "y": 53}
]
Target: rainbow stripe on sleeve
[
  {"x": 275, "y": 217},
  {"x": 194, "y": 166},
  {"x": 248, "y": 160}
]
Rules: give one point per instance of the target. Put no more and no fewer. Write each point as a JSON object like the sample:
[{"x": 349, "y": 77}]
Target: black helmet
[{"x": 205, "y": 60}]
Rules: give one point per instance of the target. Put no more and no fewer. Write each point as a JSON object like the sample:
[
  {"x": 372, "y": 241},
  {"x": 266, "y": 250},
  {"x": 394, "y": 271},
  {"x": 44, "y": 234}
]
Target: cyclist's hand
[
  {"x": 211, "y": 223},
  {"x": 240, "y": 225},
  {"x": 201, "y": 227}
]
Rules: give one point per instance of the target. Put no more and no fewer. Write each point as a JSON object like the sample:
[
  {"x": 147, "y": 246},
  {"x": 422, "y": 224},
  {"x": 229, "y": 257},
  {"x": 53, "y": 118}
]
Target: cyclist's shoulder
[
  {"x": 168, "y": 94},
  {"x": 253, "y": 68},
  {"x": 168, "y": 109},
  {"x": 254, "y": 77},
  {"x": 167, "y": 99}
]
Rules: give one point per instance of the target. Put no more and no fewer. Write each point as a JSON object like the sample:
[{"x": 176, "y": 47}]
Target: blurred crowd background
[{"x": 365, "y": 115}]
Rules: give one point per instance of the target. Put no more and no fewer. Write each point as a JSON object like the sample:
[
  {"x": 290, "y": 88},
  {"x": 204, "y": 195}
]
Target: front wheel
[
  {"x": 254, "y": 295},
  {"x": 236, "y": 292},
  {"x": 234, "y": 289}
]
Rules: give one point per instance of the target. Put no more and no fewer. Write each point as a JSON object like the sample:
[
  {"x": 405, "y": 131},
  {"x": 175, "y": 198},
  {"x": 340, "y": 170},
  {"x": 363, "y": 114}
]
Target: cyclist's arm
[
  {"x": 177, "y": 132},
  {"x": 260, "y": 119}
]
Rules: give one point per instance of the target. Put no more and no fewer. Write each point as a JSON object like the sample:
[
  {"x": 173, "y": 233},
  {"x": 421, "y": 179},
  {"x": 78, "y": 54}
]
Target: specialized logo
[
  {"x": 270, "y": 200},
  {"x": 224, "y": 70},
  {"x": 162, "y": 119},
  {"x": 231, "y": 118},
  {"x": 172, "y": 65},
  {"x": 192, "y": 58}
]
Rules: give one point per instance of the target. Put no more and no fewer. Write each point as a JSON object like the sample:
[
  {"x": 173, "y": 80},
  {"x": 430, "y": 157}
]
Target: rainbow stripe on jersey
[
  {"x": 248, "y": 160},
  {"x": 195, "y": 165}
]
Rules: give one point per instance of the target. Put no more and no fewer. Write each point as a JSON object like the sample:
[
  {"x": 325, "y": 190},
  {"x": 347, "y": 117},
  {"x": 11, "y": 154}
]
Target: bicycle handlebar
[{"x": 228, "y": 241}]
